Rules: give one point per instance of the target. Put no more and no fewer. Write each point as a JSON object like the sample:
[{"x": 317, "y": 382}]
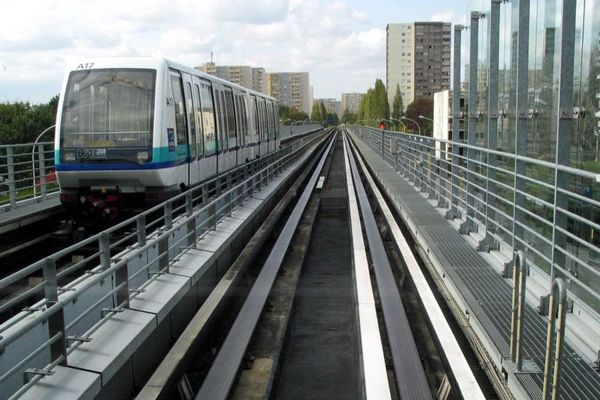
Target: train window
[
  {"x": 208, "y": 119},
  {"x": 265, "y": 126},
  {"x": 255, "y": 113},
  {"x": 245, "y": 130},
  {"x": 179, "y": 110},
  {"x": 198, "y": 116},
  {"x": 191, "y": 117},
  {"x": 270, "y": 119},
  {"x": 109, "y": 108},
  {"x": 230, "y": 114},
  {"x": 276, "y": 110},
  {"x": 223, "y": 142},
  {"x": 219, "y": 115}
]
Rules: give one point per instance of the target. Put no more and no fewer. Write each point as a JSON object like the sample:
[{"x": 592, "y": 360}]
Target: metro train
[{"x": 132, "y": 132}]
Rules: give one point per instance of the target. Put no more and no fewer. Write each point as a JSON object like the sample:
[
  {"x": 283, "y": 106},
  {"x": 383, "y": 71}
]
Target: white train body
[{"x": 134, "y": 131}]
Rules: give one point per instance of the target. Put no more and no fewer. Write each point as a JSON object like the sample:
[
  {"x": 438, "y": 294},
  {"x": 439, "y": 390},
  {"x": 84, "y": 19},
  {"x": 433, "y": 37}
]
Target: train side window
[
  {"x": 208, "y": 120},
  {"x": 255, "y": 113},
  {"x": 276, "y": 110},
  {"x": 245, "y": 131},
  {"x": 270, "y": 119},
  {"x": 199, "y": 124},
  {"x": 224, "y": 143},
  {"x": 180, "y": 129},
  {"x": 191, "y": 117},
  {"x": 219, "y": 109},
  {"x": 230, "y": 115}
]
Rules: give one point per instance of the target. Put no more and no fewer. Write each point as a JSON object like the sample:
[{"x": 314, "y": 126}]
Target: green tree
[
  {"x": 381, "y": 107},
  {"x": 397, "y": 106},
  {"x": 323, "y": 112},
  {"x": 348, "y": 117},
  {"x": 23, "y": 122},
  {"x": 315, "y": 114},
  {"x": 421, "y": 106}
]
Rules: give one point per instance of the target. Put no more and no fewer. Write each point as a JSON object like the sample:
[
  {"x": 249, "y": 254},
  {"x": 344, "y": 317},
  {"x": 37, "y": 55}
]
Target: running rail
[
  {"x": 461, "y": 371},
  {"x": 410, "y": 376},
  {"x": 221, "y": 376}
]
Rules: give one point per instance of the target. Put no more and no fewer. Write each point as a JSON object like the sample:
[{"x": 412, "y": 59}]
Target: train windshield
[{"x": 106, "y": 112}]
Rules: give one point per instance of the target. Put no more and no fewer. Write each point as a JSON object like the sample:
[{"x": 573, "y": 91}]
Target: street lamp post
[
  {"x": 33, "y": 158},
  {"x": 432, "y": 121},
  {"x": 413, "y": 121},
  {"x": 400, "y": 121}
]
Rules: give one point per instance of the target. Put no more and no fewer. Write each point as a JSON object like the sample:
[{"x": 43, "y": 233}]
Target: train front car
[{"x": 107, "y": 150}]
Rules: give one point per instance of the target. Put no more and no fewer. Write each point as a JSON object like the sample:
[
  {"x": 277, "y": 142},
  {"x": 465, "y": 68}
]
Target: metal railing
[
  {"x": 71, "y": 293},
  {"x": 531, "y": 224},
  {"x": 26, "y": 174}
]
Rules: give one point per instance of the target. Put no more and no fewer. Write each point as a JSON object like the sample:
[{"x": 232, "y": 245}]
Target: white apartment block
[
  {"x": 292, "y": 89},
  {"x": 400, "y": 59},
  {"x": 250, "y": 77},
  {"x": 351, "y": 101}
]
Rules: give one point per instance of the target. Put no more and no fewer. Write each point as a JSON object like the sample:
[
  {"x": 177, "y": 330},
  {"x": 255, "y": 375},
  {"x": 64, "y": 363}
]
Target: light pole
[
  {"x": 413, "y": 121},
  {"x": 33, "y": 157},
  {"x": 432, "y": 121},
  {"x": 399, "y": 120}
]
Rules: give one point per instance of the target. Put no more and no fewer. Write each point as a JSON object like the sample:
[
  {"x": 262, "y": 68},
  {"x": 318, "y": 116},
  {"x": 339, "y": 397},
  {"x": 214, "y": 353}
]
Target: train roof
[{"x": 154, "y": 63}]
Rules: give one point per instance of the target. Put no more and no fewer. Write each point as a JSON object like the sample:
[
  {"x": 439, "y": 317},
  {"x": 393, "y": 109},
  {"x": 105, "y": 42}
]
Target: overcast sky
[{"x": 340, "y": 43}]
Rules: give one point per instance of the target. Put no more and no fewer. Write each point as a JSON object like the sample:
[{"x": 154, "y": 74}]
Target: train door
[
  {"x": 270, "y": 125},
  {"x": 192, "y": 128},
  {"x": 199, "y": 165},
  {"x": 178, "y": 140},
  {"x": 253, "y": 111},
  {"x": 221, "y": 129},
  {"x": 208, "y": 165},
  {"x": 231, "y": 131},
  {"x": 264, "y": 136}
]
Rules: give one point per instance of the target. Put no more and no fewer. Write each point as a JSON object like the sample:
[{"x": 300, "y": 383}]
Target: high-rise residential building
[
  {"x": 331, "y": 106},
  {"x": 417, "y": 59},
  {"x": 351, "y": 101},
  {"x": 250, "y": 77},
  {"x": 291, "y": 89}
]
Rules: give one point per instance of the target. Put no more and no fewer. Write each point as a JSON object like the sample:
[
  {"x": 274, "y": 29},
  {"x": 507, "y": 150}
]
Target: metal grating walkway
[{"x": 486, "y": 292}]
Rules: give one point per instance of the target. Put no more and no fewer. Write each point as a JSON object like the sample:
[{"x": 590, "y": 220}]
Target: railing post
[
  {"x": 168, "y": 210},
  {"x": 558, "y": 308},
  {"x": 191, "y": 224},
  {"x": 56, "y": 322},
  {"x": 104, "y": 248},
  {"x": 10, "y": 165},
  {"x": 141, "y": 230},
  {"x": 42, "y": 170},
  {"x": 518, "y": 308}
]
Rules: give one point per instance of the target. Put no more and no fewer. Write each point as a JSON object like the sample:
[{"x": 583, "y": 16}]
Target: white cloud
[{"x": 333, "y": 41}]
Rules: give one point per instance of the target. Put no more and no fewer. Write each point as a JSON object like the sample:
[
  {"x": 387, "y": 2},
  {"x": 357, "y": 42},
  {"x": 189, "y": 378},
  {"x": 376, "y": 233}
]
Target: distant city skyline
[{"x": 341, "y": 44}]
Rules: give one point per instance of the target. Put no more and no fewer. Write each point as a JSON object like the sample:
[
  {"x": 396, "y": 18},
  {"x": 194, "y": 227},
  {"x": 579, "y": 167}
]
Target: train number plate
[{"x": 91, "y": 153}]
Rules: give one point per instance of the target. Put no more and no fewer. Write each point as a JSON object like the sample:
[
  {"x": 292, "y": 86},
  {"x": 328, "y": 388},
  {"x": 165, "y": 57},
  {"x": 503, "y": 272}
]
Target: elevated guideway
[{"x": 480, "y": 298}]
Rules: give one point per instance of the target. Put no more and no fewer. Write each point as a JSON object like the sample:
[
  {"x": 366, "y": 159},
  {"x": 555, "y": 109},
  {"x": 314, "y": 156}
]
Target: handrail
[{"x": 209, "y": 213}]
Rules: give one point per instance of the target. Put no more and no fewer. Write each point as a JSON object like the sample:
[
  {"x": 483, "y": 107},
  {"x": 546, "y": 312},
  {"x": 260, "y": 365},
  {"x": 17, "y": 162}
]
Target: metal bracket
[
  {"x": 35, "y": 371},
  {"x": 33, "y": 309},
  {"x": 105, "y": 311},
  {"x": 137, "y": 290},
  {"x": 80, "y": 339},
  {"x": 579, "y": 112},
  {"x": 63, "y": 290},
  {"x": 532, "y": 113},
  {"x": 566, "y": 114}
]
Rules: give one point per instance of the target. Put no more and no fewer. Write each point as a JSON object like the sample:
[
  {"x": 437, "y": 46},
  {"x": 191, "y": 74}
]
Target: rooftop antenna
[{"x": 211, "y": 57}]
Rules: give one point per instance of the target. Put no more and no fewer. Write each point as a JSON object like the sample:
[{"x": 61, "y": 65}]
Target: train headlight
[
  {"x": 70, "y": 156},
  {"x": 142, "y": 156}
]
